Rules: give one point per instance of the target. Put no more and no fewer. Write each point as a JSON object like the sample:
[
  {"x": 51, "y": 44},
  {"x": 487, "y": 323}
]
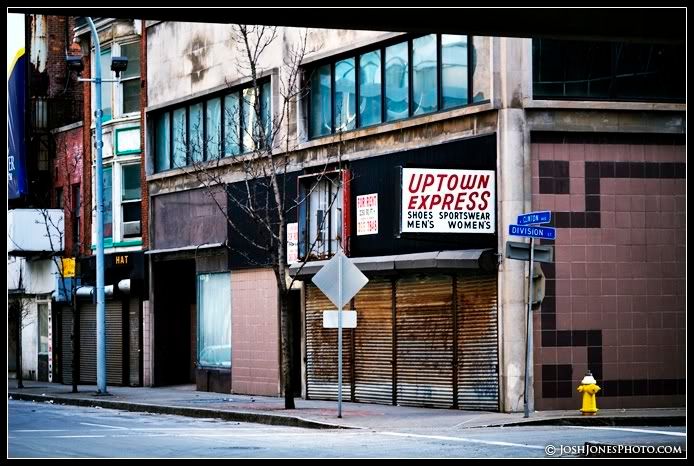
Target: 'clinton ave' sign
[{"x": 448, "y": 201}]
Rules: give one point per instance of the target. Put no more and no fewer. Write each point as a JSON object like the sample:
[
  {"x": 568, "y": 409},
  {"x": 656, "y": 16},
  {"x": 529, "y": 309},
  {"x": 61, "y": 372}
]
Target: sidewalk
[{"x": 186, "y": 401}]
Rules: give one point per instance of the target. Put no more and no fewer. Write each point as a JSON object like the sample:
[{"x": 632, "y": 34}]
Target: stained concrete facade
[{"x": 201, "y": 61}]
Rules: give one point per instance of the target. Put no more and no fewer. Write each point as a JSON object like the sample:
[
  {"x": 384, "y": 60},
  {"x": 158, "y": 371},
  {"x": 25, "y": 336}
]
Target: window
[
  {"x": 321, "y": 216},
  {"x": 106, "y": 88},
  {"x": 370, "y": 88},
  {"x": 345, "y": 95},
  {"x": 108, "y": 202},
  {"x": 564, "y": 69},
  {"x": 214, "y": 320},
  {"x": 400, "y": 80},
  {"x": 130, "y": 200},
  {"x": 43, "y": 328},
  {"x": 130, "y": 78},
  {"x": 225, "y": 125},
  {"x": 424, "y": 67},
  {"x": 453, "y": 71}
]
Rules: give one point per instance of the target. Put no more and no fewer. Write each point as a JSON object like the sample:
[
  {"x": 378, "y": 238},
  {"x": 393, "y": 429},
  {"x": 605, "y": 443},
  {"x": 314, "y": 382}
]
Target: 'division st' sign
[{"x": 447, "y": 201}]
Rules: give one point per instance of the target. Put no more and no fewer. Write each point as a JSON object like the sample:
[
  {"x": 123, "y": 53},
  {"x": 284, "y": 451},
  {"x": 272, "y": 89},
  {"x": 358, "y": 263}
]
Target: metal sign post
[
  {"x": 529, "y": 338},
  {"x": 525, "y": 227},
  {"x": 339, "y": 286}
]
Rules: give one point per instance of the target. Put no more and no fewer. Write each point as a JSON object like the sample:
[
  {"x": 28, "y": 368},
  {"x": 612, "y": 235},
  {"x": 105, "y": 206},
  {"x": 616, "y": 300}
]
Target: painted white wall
[{"x": 30, "y": 342}]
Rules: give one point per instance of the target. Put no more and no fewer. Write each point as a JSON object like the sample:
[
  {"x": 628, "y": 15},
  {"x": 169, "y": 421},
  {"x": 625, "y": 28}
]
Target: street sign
[
  {"x": 521, "y": 252},
  {"x": 532, "y": 218},
  {"x": 340, "y": 280},
  {"x": 328, "y": 279},
  {"x": 349, "y": 319},
  {"x": 532, "y": 231}
]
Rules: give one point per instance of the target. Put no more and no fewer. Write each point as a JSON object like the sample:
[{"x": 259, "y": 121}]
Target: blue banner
[{"x": 16, "y": 147}]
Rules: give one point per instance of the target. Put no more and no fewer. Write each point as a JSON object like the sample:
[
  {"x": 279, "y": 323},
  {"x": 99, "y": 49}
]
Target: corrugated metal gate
[
  {"x": 373, "y": 341},
  {"x": 478, "y": 354},
  {"x": 134, "y": 313},
  {"x": 66, "y": 344},
  {"x": 424, "y": 345},
  {"x": 114, "y": 342},
  {"x": 444, "y": 342},
  {"x": 321, "y": 351}
]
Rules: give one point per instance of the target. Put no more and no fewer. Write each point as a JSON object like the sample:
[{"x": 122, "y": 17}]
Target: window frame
[
  {"x": 121, "y": 233},
  {"x": 381, "y": 47},
  {"x": 168, "y": 112},
  {"x": 307, "y": 185}
]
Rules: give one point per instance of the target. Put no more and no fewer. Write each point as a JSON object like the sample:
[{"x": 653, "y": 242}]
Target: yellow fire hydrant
[{"x": 589, "y": 388}]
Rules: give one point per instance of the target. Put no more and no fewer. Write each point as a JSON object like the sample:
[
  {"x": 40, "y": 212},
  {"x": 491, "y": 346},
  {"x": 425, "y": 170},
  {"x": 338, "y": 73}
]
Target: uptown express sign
[{"x": 448, "y": 201}]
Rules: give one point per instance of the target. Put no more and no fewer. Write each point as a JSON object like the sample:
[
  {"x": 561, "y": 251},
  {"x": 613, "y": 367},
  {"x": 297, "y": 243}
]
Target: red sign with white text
[{"x": 448, "y": 201}]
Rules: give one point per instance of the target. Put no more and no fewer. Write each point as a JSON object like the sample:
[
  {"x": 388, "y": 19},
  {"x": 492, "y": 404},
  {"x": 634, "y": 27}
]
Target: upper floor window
[
  {"x": 120, "y": 98},
  {"x": 320, "y": 216},
  {"x": 400, "y": 80},
  {"x": 220, "y": 126},
  {"x": 564, "y": 69}
]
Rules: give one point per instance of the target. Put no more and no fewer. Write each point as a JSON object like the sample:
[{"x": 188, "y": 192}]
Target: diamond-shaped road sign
[{"x": 327, "y": 279}]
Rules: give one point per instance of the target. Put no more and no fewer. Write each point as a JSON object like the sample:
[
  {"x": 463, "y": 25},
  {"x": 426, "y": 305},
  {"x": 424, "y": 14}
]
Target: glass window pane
[
  {"x": 266, "y": 111},
  {"x": 179, "y": 138},
  {"x": 131, "y": 212},
  {"x": 214, "y": 320},
  {"x": 132, "y": 51},
  {"x": 453, "y": 70},
  {"x": 232, "y": 125},
  {"x": 162, "y": 142},
  {"x": 214, "y": 128},
  {"x": 397, "y": 98},
  {"x": 345, "y": 95},
  {"x": 106, "y": 88},
  {"x": 108, "y": 202},
  {"x": 424, "y": 84},
  {"x": 370, "y": 88},
  {"x": 43, "y": 327},
  {"x": 196, "y": 132},
  {"x": 131, "y": 182},
  {"x": 480, "y": 63},
  {"x": 321, "y": 110},
  {"x": 250, "y": 117},
  {"x": 131, "y": 96}
]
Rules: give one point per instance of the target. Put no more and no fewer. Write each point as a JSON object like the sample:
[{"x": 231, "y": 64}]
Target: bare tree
[{"x": 263, "y": 148}]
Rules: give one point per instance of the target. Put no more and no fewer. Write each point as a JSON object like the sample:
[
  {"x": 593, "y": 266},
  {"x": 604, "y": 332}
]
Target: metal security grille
[
  {"x": 134, "y": 314},
  {"x": 478, "y": 357},
  {"x": 373, "y": 341},
  {"x": 114, "y": 343},
  {"x": 321, "y": 351},
  {"x": 66, "y": 344},
  {"x": 424, "y": 326}
]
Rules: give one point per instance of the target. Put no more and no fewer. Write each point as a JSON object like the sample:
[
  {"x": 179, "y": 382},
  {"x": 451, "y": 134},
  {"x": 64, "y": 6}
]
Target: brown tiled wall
[
  {"x": 254, "y": 333},
  {"x": 615, "y": 296}
]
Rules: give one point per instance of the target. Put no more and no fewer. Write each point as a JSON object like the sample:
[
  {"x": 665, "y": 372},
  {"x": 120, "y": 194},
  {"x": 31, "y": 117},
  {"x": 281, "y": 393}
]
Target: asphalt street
[{"x": 44, "y": 430}]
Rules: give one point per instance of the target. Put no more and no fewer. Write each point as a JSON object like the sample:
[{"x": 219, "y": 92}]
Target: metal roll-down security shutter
[
  {"x": 114, "y": 342},
  {"x": 66, "y": 344},
  {"x": 424, "y": 341},
  {"x": 478, "y": 376},
  {"x": 87, "y": 343},
  {"x": 373, "y": 341},
  {"x": 321, "y": 351}
]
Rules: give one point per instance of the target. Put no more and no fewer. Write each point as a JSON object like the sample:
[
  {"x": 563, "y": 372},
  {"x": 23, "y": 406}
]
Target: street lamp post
[{"x": 100, "y": 300}]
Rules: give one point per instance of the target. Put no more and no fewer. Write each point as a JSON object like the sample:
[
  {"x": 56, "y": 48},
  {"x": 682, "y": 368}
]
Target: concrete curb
[
  {"x": 612, "y": 421},
  {"x": 241, "y": 416}
]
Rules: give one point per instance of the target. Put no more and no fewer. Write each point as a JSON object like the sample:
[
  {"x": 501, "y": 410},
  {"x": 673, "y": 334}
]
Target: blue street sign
[
  {"x": 532, "y": 218},
  {"x": 532, "y": 232}
]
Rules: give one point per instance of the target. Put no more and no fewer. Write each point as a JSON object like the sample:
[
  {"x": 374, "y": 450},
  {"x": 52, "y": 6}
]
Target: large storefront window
[{"x": 214, "y": 320}]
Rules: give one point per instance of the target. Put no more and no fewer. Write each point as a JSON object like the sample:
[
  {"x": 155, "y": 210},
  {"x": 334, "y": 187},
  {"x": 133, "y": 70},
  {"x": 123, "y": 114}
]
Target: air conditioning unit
[{"x": 131, "y": 229}]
